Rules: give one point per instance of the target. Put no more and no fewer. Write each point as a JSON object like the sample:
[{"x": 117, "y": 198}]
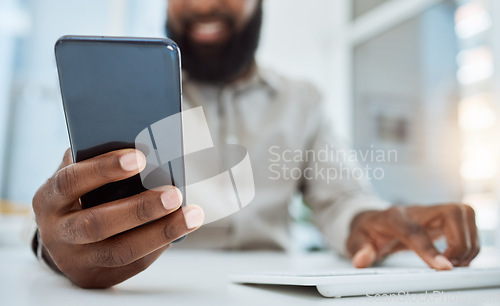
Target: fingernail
[
  {"x": 442, "y": 263},
  {"x": 171, "y": 198},
  {"x": 194, "y": 216},
  {"x": 132, "y": 161}
]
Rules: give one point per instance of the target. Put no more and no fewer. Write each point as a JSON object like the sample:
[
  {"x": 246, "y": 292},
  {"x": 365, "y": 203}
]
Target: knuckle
[
  {"x": 171, "y": 232},
  {"x": 88, "y": 227},
  {"x": 101, "y": 169},
  {"x": 67, "y": 230},
  {"x": 118, "y": 253},
  {"x": 143, "y": 209},
  {"x": 84, "y": 228},
  {"x": 65, "y": 182},
  {"x": 413, "y": 229}
]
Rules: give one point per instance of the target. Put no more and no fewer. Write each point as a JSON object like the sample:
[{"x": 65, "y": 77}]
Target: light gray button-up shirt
[{"x": 292, "y": 148}]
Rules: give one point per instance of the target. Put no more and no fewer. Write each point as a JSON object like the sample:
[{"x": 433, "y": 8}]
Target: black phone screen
[{"x": 112, "y": 89}]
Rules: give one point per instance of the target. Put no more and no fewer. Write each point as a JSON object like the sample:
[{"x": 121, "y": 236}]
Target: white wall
[{"x": 303, "y": 39}]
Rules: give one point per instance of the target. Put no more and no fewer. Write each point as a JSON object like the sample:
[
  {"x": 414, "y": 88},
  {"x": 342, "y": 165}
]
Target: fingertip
[
  {"x": 358, "y": 264},
  {"x": 364, "y": 257},
  {"x": 171, "y": 198},
  {"x": 194, "y": 216},
  {"x": 67, "y": 159},
  {"x": 67, "y": 155},
  {"x": 133, "y": 160},
  {"x": 441, "y": 263}
]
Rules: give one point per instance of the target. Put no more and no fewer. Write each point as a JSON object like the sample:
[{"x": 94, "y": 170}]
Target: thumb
[
  {"x": 365, "y": 257},
  {"x": 67, "y": 159}
]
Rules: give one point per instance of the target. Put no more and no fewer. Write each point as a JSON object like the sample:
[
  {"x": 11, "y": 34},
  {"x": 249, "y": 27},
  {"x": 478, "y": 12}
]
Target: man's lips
[{"x": 208, "y": 32}]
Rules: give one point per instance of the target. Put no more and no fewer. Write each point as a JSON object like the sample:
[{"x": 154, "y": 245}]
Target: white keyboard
[{"x": 364, "y": 282}]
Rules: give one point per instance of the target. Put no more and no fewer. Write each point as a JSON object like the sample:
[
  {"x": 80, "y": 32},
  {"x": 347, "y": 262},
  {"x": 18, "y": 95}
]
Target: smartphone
[{"x": 112, "y": 89}]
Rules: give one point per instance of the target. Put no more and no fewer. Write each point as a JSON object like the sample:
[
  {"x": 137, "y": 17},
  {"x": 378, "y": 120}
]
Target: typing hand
[
  {"x": 106, "y": 244},
  {"x": 376, "y": 234}
]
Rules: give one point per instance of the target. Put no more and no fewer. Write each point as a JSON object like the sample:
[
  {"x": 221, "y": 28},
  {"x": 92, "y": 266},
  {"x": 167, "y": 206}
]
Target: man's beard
[{"x": 220, "y": 63}]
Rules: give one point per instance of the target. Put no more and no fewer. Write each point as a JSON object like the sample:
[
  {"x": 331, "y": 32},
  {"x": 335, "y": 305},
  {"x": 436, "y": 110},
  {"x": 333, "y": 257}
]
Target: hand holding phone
[
  {"x": 104, "y": 245},
  {"x": 97, "y": 223}
]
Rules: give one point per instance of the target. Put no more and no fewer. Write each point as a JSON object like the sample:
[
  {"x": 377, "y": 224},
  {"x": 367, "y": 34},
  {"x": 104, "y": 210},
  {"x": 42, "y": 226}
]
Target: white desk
[{"x": 200, "y": 278}]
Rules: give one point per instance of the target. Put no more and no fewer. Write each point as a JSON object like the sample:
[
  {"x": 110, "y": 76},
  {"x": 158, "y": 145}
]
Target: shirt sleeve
[{"x": 334, "y": 185}]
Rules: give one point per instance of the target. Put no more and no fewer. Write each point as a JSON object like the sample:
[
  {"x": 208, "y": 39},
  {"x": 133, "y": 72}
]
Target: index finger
[
  {"x": 414, "y": 236},
  {"x": 73, "y": 181}
]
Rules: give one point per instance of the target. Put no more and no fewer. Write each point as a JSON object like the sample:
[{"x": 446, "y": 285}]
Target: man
[{"x": 245, "y": 104}]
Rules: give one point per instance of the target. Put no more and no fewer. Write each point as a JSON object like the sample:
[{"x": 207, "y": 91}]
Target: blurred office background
[{"x": 418, "y": 76}]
